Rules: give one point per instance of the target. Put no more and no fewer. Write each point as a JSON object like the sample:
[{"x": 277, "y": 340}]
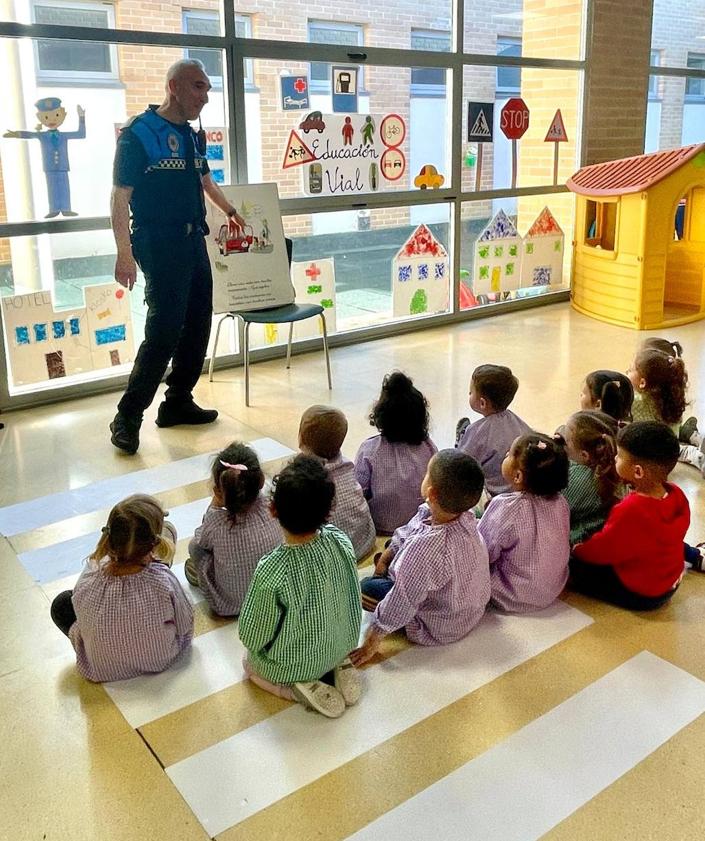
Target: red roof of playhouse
[
  {"x": 631, "y": 175},
  {"x": 422, "y": 242}
]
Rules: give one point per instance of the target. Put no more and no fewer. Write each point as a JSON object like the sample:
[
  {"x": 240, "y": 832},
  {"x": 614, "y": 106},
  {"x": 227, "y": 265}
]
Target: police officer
[{"x": 160, "y": 175}]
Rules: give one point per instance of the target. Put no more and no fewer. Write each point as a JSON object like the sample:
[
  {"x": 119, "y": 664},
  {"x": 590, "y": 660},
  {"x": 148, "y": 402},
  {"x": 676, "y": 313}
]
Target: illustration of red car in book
[{"x": 234, "y": 239}]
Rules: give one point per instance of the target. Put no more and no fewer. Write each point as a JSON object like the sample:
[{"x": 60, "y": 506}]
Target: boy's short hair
[
  {"x": 650, "y": 441},
  {"x": 457, "y": 479},
  {"x": 303, "y": 495},
  {"x": 495, "y": 383},
  {"x": 322, "y": 430}
]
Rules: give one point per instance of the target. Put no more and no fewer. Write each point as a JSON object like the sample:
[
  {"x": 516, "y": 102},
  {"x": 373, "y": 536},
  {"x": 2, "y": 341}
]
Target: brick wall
[{"x": 617, "y": 84}]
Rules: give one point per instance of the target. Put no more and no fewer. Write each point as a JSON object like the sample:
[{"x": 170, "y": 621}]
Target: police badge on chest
[{"x": 173, "y": 143}]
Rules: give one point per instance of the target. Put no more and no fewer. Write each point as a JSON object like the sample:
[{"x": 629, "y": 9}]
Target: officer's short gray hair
[{"x": 178, "y": 67}]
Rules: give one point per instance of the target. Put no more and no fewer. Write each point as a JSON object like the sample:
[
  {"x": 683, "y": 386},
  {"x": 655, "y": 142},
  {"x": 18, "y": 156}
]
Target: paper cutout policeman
[{"x": 55, "y": 153}]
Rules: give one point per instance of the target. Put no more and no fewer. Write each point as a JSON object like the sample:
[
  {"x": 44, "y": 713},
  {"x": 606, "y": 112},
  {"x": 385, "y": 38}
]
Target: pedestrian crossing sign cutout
[
  {"x": 556, "y": 132},
  {"x": 297, "y": 152},
  {"x": 480, "y": 122}
]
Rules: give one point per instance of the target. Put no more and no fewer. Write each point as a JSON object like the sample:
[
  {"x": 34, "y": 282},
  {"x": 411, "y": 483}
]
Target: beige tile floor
[{"x": 73, "y": 768}]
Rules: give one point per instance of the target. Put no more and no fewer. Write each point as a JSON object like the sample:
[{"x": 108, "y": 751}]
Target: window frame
[
  {"x": 323, "y": 86},
  {"x": 209, "y": 14},
  {"x": 502, "y": 91},
  {"x": 430, "y": 89},
  {"x": 77, "y": 77},
  {"x": 699, "y": 94}
]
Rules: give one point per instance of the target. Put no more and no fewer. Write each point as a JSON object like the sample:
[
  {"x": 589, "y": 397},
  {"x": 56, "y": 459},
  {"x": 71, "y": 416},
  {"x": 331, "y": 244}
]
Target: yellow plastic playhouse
[{"x": 639, "y": 247}]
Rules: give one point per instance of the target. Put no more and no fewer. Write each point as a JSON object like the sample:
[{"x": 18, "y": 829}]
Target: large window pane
[
  {"x": 125, "y": 14},
  {"x": 367, "y": 286},
  {"x": 23, "y": 183},
  {"x": 541, "y": 28},
  {"x": 678, "y": 33},
  {"x": 674, "y": 118},
  {"x": 544, "y": 92},
  {"x": 515, "y": 248},
  {"x": 387, "y": 90}
]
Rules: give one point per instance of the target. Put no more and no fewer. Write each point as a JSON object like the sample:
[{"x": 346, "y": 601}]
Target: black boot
[
  {"x": 125, "y": 433},
  {"x": 175, "y": 413}
]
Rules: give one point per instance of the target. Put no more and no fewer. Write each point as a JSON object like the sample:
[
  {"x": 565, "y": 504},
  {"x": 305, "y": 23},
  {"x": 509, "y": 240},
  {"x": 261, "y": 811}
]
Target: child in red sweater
[{"x": 636, "y": 560}]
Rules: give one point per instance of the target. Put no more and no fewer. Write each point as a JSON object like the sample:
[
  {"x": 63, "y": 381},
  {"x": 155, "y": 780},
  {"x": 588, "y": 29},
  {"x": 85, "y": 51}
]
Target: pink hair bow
[{"x": 227, "y": 466}]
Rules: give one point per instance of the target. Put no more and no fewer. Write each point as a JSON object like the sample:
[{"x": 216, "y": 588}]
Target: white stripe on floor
[
  {"x": 398, "y": 694},
  {"x": 522, "y": 787},
  {"x": 26, "y": 516},
  {"x": 64, "y": 559},
  {"x": 215, "y": 662}
]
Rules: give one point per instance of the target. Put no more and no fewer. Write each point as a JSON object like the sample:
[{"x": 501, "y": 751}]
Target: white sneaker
[
  {"x": 347, "y": 682},
  {"x": 318, "y": 696}
]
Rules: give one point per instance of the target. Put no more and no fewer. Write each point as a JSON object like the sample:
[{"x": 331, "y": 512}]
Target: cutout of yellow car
[{"x": 429, "y": 177}]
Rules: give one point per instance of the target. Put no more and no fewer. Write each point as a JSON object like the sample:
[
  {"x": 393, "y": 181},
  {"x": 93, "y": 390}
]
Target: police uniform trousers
[{"x": 178, "y": 293}]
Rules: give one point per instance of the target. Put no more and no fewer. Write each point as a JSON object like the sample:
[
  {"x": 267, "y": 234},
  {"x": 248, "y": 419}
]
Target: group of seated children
[{"x": 504, "y": 520}]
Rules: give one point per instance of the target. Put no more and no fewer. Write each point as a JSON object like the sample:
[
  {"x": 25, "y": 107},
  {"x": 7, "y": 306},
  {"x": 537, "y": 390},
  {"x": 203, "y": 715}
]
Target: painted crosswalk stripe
[
  {"x": 250, "y": 762},
  {"x": 215, "y": 662},
  {"x": 25, "y": 516},
  {"x": 522, "y": 787},
  {"x": 60, "y": 560}
]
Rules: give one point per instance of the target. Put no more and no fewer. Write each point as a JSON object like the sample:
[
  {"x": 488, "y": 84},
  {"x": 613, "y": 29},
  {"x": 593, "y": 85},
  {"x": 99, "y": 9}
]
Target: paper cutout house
[
  {"x": 46, "y": 344},
  {"x": 498, "y": 253},
  {"x": 542, "y": 252},
  {"x": 639, "y": 247},
  {"x": 420, "y": 275}
]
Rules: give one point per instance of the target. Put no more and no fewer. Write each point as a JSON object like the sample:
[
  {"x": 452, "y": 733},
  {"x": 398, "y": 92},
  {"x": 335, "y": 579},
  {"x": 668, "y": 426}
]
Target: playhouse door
[
  {"x": 685, "y": 262},
  {"x": 496, "y": 279}
]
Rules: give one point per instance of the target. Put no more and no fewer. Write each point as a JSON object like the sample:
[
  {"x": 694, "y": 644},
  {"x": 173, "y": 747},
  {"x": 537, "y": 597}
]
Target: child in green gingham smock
[{"x": 302, "y": 612}]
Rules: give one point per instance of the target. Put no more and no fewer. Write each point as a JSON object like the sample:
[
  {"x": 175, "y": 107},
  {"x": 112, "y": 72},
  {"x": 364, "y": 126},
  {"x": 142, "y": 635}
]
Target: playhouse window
[{"x": 601, "y": 224}]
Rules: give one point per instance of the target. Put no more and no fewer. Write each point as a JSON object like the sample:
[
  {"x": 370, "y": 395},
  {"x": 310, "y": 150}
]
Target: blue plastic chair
[{"x": 287, "y": 314}]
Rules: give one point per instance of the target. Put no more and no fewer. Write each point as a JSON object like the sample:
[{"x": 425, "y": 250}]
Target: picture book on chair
[{"x": 248, "y": 252}]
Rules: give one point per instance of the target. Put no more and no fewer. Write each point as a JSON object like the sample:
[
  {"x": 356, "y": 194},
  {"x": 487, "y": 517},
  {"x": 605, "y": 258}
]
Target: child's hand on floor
[
  {"x": 382, "y": 562},
  {"x": 368, "y": 649}
]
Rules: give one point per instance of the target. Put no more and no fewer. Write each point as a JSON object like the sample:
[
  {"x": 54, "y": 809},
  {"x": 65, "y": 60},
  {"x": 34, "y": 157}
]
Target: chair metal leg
[
  {"x": 325, "y": 350},
  {"x": 215, "y": 345},
  {"x": 247, "y": 363},
  {"x": 288, "y": 347}
]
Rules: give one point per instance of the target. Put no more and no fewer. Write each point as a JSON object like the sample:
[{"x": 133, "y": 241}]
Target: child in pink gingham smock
[
  {"x": 237, "y": 530},
  {"x": 390, "y": 466},
  {"x": 127, "y": 614},
  {"x": 527, "y": 531},
  {"x": 321, "y": 433},
  {"x": 433, "y": 580}
]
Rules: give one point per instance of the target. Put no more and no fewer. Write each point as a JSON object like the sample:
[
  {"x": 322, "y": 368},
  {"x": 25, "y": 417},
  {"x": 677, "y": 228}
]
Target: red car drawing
[{"x": 234, "y": 239}]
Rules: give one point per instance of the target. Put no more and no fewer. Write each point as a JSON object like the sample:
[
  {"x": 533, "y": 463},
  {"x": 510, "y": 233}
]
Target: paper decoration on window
[
  {"x": 420, "y": 272},
  {"x": 51, "y": 344},
  {"x": 314, "y": 283},
  {"x": 492, "y": 256},
  {"x": 345, "y": 154},
  {"x": 546, "y": 239},
  {"x": 505, "y": 261}
]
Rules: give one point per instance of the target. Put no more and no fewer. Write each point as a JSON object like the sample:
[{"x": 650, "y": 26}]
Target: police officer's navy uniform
[{"x": 160, "y": 160}]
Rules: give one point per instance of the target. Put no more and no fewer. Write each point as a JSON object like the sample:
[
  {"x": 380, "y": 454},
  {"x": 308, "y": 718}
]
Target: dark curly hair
[
  {"x": 664, "y": 345},
  {"x": 238, "y": 488},
  {"x": 303, "y": 495},
  {"x": 401, "y": 411},
  {"x": 543, "y": 462}
]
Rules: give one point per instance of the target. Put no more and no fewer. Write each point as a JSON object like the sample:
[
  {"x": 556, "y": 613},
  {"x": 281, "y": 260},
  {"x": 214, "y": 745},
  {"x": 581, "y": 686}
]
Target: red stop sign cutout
[{"x": 514, "y": 118}]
